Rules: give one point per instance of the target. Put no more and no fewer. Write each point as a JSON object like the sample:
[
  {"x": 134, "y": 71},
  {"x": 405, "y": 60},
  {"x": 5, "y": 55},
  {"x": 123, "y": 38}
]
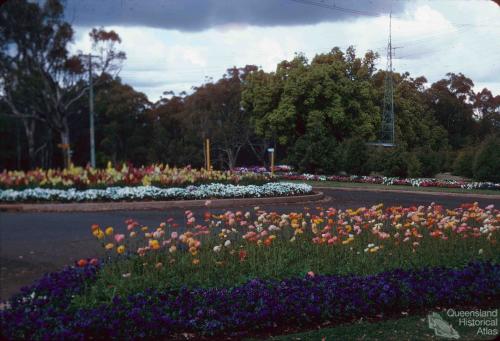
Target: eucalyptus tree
[{"x": 42, "y": 80}]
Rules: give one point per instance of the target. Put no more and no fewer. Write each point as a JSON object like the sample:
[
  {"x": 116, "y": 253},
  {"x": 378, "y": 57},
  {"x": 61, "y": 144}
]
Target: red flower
[
  {"x": 82, "y": 262},
  {"x": 243, "y": 255}
]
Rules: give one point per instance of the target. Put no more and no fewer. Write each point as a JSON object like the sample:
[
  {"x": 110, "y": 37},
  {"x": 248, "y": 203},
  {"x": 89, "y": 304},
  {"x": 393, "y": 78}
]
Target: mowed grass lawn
[{"x": 334, "y": 184}]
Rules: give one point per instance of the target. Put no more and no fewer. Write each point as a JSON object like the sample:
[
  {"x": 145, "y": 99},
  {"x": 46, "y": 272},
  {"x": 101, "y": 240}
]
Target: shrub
[
  {"x": 394, "y": 162},
  {"x": 355, "y": 156},
  {"x": 315, "y": 154},
  {"x": 463, "y": 164},
  {"x": 431, "y": 162},
  {"x": 487, "y": 160},
  {"x": 413, "y": 165}
]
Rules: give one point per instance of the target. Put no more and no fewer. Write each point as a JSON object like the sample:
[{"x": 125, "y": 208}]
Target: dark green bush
[
  {"x": 394, "y": 162},
  {"x": 354, "y": 153},
  {"x": 487, "y": 160},
  {"x": 463, "y": 164},
  {"x": 413, "y": 165},
  {"x": 316, "y": 155},
  {"x": 431, "y": 162}
]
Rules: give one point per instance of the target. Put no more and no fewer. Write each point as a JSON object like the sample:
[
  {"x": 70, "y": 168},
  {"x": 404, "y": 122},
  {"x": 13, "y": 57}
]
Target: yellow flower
[
  {"x": 109, "y": 231},
  {"x": 348, "y": 240},
  {"x": 144, "y": 228},
  {"x": 196, "y": 261},
  {"x": 154, "y": 244},
  {"x": 193, "y": 250},
  {"x": 109, "y": 246},
  {"x": 120, "y": 249},
  {"x": 99, "y": 234}
]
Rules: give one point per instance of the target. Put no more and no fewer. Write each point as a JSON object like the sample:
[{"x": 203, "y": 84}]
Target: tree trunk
[
  {"x": 231, "y": 158},
  {"x": 29, "y": 128},
  {"x": 65, "y": 145}
]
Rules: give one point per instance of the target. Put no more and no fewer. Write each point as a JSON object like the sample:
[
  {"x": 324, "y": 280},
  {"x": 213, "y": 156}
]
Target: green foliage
[
  {"x": 487, "y": 161},
  {"x": 395, "y": 162},
  {"x": 431, "y": 162},
  {"x": 355, "y": 156},
  {"x": 413, "y": 165},
  {"x": 305, "y": 153},
  {"x": 463, "y": 164}
]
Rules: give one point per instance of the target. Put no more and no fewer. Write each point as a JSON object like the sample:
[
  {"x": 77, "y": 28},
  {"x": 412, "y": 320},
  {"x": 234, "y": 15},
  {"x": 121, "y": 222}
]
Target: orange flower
[
  {"x": 82, "y": 262},
  {"x": 154, "y": 244},
  {"x": 196, "y": 261}
]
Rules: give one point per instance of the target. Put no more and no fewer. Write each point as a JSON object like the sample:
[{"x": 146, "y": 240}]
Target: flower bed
[
  {"x": 238, "y": 272},
  {"x": 44, "y": 310},
  {"x": 158, "y": 175},
  {"x": 209, "y": 191},
  {"x": 388, "y": 181}
]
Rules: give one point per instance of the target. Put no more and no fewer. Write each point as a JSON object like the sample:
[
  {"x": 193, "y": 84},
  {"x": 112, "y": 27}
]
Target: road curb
[
  {"x": 440, "y": 194},
  {"x": 156, "y": 205}
]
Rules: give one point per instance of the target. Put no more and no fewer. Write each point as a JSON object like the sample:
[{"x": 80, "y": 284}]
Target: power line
[
  {"x": 376, "y": 14},
  {"x": 337, "y": 8}
]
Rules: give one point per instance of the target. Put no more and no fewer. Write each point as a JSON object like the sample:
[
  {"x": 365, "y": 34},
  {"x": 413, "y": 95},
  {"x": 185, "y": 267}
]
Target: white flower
[
  {"x": 227, "y": 243},
  {"x": 217, "y": 248},
  {"x": 214, "y": 190}
]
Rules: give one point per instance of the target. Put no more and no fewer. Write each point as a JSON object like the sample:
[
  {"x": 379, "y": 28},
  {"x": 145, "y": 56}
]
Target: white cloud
[{"x": 433, "y": 38}]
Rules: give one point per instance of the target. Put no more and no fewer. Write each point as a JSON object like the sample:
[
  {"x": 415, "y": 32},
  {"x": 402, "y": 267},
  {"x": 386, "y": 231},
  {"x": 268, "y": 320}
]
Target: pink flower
[
  {"x": 119, "y": 238},
  {"x": 94, "y": 261},
  {"x": 174, "y": 235},
  {"x": 332, "y": 240},
  {"x": 310, "y": 274}
]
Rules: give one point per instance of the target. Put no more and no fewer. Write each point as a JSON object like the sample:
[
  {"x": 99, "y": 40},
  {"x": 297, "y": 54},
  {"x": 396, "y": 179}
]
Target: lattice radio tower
[{"x": 387, "y": 127}]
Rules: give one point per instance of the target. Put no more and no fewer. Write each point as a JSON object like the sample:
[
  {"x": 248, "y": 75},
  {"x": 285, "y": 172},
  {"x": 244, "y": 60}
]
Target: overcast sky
[{"x": 176, "y": 44}]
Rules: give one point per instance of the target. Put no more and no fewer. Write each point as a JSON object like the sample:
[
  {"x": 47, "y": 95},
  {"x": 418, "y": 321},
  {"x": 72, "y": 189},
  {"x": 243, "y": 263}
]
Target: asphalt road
[{"x": 34, "y": 243}]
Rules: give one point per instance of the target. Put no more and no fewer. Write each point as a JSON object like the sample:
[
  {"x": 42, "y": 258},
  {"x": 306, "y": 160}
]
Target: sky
[{"x": 173, "y": 45}]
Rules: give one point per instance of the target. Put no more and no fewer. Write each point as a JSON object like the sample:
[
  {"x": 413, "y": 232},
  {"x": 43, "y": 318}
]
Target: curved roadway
[{"x": 34, "y": 243}]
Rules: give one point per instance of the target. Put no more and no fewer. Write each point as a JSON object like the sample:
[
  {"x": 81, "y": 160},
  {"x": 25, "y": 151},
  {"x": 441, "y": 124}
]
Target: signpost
[
  {"x": 271, "y": 150},
  {"x": 206, "y": 144}
]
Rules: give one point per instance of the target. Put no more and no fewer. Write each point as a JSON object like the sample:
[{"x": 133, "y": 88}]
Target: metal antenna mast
[{"x": 387, "y": 128}]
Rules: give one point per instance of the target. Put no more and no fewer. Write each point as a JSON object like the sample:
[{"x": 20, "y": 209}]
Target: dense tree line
[{"x": 318, "y": 114}]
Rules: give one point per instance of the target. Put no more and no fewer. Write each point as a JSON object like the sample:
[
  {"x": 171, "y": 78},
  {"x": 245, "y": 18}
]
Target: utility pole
[{"x": 91, "y": 113}]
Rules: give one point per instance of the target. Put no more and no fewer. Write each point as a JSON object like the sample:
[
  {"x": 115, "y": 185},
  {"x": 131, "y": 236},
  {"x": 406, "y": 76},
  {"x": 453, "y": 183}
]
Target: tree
[
  {"x": 452, "y": 102},
  {"x": 487, "y": 108},
  {"x": 35, "y": 60},
  {"x": 216, "y": 108}
]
